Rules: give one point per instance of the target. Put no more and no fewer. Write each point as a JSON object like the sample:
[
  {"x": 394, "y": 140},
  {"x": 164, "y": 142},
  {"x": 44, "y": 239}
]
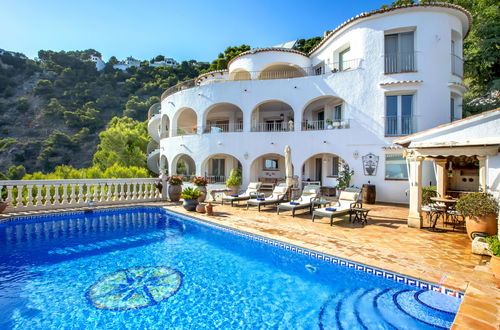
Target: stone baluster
[
  {"x": 9, "y": 198},
  {"x": 140, "y": 193},
  {"x": 81, "y": 196},
  {"x": 57, "y": 200},
  {"x": 88, "y": 196},
  {"x": 72, "y": 197},
  {"x": 64, "y": 197},
  {"x": 29, "y": 197},
  {"x": 96, "y": 192},
  {"x": 45, "y": 192},
  {"x": 19, "y": 197},
  {"x": 102, "y": 193},
  {"x": 38, "y": 197}
]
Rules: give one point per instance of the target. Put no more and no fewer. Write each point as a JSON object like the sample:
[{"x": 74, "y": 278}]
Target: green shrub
[
  {"x": 494, "y": 244},
  {"x": 234, "y": 178},
  {"x": 427, "y": 194},
  {"x": 190, "y": 193},
  {"x": 477, "y": 204}
]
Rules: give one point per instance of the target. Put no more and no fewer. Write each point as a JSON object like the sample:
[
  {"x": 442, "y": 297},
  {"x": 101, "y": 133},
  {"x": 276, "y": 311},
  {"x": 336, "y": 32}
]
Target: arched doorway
[
  {"x": 186, "y": 122},
  {"x": 272, "y": 116},
  {"x": 322, "y": 169},
  {"x": 281, "y": 71},
  {"x": 223, "y": 118},
  {"x": 268, "y": 168},
  {"x": 185, "y": 166},
  {"x": 325, "y": 112},
  {"x": 216, "y": 168}
]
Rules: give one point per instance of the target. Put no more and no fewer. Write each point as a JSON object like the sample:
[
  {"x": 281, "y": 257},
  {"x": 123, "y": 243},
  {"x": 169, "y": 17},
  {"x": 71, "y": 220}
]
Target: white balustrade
[{"x": 28, "y": 195}]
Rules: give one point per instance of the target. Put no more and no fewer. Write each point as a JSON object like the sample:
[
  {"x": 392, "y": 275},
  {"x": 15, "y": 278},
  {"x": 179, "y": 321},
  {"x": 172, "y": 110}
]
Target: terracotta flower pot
[
  {"x": 203, "y": 193},
  {"x": 209, "y": 208},
  {"x": 495, "y": 266},
  {"x": 3, "y": 206},
  {"x": 478, "y": 225},
  {"x": 174, "y": 193},
  {"x": 200, "y": 208},
  {"x": 234, "y": 190},
  {"x": 190, "y": 204}
]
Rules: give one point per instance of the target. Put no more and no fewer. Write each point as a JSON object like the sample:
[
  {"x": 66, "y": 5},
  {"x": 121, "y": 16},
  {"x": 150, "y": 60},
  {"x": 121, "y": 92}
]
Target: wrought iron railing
[
  {"x": 400, "y": 62},
  {"x": 399, "y": 125},
  {"x": 318, "y": 125},
  {"x": 213, "y": 179},
  {"x": 272, "y": 127},
  {"x": 223, "y": 128}
]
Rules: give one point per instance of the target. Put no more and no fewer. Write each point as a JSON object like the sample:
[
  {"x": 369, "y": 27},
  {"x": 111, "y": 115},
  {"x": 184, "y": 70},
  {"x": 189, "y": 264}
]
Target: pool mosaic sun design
[{"x": 134, "y": 288}]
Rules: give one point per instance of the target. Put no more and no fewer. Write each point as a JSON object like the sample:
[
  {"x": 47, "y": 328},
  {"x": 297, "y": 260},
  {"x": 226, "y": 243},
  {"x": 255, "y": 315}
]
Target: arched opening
[
  {"x": 281, "y": 71},
  {"x": 163, "y": 164},
  {"x": 222, "y": 118},
  {"x": 272, "y": 116},
  {"x": 216, "y": 168},
  {"x": 326, "y": 112},
  {"x": 186, "y": 122},
  {"x": 240, "y": 74},
  {"x": 185, "y": 166},
  {"x": 268, "y": 168},
  {"x": 322, "y": 169},
  {"x": 164, "y": 127}
]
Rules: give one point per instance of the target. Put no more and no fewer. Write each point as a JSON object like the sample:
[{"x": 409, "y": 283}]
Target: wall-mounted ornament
[
  {"x": 355, "y": 154},
  {"x": 370, "y": 164}
]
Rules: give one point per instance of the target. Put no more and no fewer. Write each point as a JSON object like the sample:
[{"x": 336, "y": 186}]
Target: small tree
[
  {"x": 345, "y": 175},
  {"x": 234, "y": 178}
]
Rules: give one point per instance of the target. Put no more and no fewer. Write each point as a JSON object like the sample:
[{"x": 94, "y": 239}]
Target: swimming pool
[{"x": 146, "y": 267}]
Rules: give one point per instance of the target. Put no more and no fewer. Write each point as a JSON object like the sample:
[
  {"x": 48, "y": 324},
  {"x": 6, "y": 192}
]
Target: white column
[
  {"x": 482, "y": 172},
  {"x": 414, "y": 215},
  {"x": 441, "y": 177}
]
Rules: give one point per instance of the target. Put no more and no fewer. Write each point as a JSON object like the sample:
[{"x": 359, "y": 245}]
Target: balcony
[
  {"x": 400, "y": 125},
  {"x": 272, "y": 127},
  {"x": 154, "y": 110},
  {"x": 267, "y": 74},
  {"x": 319, "y": 125},
  {"x": 223, "y": 128},
  {"x": 187, "y": 130},
  {"x": 457, "y": 66},
  {"x": 400, "y": 62}
]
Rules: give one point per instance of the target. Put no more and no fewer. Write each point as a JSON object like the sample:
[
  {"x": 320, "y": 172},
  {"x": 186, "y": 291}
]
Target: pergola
[{"x": 476, "y": 136}]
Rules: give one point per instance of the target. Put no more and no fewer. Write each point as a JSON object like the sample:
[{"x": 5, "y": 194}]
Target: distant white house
[
  {"x": 99, "y": 63},
  {"x": 19, "y": 55},
  {"x": 2, "y": 51},
  {"x": 165, "y": 62},
  {"x": 127, "y": 63}
]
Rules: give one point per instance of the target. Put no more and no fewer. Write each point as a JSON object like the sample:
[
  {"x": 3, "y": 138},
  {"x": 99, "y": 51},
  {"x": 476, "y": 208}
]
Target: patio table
[{"x": 448, "y": 204}]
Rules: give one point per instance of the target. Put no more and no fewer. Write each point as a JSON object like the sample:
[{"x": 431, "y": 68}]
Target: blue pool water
[{"x": 150, "y": 268}]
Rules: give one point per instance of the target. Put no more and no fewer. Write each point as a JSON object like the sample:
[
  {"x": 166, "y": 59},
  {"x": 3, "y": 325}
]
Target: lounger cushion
[
  {"x": 348, "y": 196},
  {"x": 254, "y": 185}
]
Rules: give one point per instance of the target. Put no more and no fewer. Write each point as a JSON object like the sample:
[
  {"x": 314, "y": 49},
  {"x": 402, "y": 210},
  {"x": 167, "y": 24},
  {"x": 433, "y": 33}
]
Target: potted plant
[
  {"x": 190, "y": 196},
  {"x": 234, "y": 181},
  {"x": 480, "y": 210},
  {"x": 344, "y": 177},
  {"x": 201, "y": 184},
  {"x": 494, "y": 246},
  {"x": 174, "y": 188}
]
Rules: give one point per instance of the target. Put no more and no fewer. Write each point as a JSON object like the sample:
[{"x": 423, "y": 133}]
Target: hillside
[{"x": 52, "y": 108}]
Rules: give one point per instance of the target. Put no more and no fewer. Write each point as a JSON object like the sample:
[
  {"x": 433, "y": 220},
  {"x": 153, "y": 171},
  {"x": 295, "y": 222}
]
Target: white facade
[
  {"x": 99, "y": 63},
  {"x": 348, "y": 98},
  {"x": 165, "y": 62},
  {"x": 127, "y": 63}
]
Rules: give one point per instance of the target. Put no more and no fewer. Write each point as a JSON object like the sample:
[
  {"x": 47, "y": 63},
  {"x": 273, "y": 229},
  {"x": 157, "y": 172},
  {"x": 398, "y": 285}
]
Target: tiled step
[{"x": 430, "y": 312}]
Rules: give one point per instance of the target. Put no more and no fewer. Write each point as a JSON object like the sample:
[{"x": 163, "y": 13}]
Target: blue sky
[{"x": 180, "y": 29}]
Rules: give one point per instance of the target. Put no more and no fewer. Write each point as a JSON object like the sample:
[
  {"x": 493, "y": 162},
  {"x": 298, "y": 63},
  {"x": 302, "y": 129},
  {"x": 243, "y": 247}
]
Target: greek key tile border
[{"x": 399, "y": 278}]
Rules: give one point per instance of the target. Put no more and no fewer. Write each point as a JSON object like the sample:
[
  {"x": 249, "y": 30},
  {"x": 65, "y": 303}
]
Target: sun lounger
[
  {"x": 309, "y": 194},
  {"x": 279, "y": 194},
  {"x": 251, "y": 192},
  {"x": 346, "y": 202}
]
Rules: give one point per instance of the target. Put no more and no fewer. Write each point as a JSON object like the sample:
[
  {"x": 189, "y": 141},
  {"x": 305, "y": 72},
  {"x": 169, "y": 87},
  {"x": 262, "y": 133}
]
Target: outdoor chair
[
  {"x": 279, "y": 194},
  {"x": 348, "y": 200},
  {"x": 309, "y": 194},
  {"x": 251, "y": 192}
]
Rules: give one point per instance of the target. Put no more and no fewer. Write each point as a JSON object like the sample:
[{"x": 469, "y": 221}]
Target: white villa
[
  {"x": 377, "y": 77},
  {"x": 99, "y": 63},
  {"x": 166, "y": 62},
  {"x": 127, "y": 63}
]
